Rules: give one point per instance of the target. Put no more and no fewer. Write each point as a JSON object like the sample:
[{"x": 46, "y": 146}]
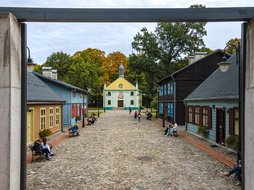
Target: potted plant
[
  {"x": 232, "y": 141},
  {"x": 204, "y": 131}
]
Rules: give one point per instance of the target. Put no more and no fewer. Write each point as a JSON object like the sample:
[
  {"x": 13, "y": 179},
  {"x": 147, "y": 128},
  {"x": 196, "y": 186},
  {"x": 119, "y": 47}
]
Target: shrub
[
  {"x": 45, "y": 133},
  {"x": 232, "y": 141},
  {"x": 77, "y": 118},
  {"x": 203, "y": 130}
]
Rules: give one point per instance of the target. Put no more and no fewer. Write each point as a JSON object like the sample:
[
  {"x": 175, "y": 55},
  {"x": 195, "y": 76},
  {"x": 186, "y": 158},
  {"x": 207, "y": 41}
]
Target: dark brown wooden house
[{"x": 174, "y": 88}]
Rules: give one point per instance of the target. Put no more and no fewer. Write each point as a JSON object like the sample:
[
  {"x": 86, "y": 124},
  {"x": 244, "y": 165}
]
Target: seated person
[
  {"x": 149, "y": 116},
  {"x": 46, "y": 148},
  {"x": 166, "y": 132},
  {"x": 237, "y": 170}
]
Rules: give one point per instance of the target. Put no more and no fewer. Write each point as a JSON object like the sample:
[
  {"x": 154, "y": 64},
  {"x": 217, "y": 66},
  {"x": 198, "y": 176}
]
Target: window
[
  {"x": 205, "y": 116},
  {"x": 170, "y": 110},
  {"x": 190, "y": 112},
  {"x": 161, "y": 91},
  {"x": 171, "y": 87},
  {"x": 109, "y": 93},
  {"x": 57, "y": 116},
  {"x": 132, "y": 93},
  {"x": 132, "y": 102},
  {"x": 109, "y": 102},
  {"x": 160, "y": 108},
  {"x": 165, "y": 90},
  {"x": 51, "y": 117},
  {"x": 43, "y": 119},
  {"x": 236, "y": 121},
  {"x": 196, "y": 118}
]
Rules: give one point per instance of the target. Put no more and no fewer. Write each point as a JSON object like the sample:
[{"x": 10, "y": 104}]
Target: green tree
[
  {"x": 60, "y": 61},
  {"x": 231, "y": 44}
]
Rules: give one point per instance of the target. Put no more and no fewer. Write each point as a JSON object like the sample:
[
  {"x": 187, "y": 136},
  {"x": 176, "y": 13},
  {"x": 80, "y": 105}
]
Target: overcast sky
[{"x": 46, "y": 38}]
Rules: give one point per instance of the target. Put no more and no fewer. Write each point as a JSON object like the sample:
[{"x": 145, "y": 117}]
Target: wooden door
[
  {"x": 220, "y": 126},
  {"x": 29, "y": 127},
  {"x": 120, "y": 103}
]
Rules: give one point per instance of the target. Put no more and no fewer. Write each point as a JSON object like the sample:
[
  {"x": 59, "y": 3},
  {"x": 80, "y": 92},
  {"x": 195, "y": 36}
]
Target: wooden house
[
  {"x": 44, "y": 108},
  {"x": 214, "y": 105},
  {"x": 174, "y": 88},
  {"x": 76, "y": 99}
]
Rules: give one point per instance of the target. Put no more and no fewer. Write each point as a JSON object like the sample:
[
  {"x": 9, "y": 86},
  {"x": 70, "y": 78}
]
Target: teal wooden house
[{"x": 213, "y": 105}]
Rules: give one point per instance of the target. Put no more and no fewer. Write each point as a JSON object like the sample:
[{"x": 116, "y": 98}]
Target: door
[
  {"x": 30, "y": 127},
  {"x": 220, "y": 126},
  {"x": 120, "y": 103}
]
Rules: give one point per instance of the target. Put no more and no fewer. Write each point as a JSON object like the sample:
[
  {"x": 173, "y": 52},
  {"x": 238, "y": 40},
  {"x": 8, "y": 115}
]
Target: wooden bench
[
  {"x": 73, "y": 131},
  {"x": 36, "y": 151}
]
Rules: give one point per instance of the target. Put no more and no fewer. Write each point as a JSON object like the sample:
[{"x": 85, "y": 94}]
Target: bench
[
  {"x": 73, "y": 131},
  {"x": 36, "y": 151}
]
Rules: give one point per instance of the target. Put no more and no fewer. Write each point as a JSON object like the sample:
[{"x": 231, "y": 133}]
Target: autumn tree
[{"x": 111, "y": 65}]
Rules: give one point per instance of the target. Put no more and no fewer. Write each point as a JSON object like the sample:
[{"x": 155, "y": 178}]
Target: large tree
[
  {"x": 160, "y": 53},
  {"x": 60, "y": 61}
]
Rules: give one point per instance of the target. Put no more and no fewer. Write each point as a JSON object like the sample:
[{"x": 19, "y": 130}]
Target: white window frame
[
  {"x": 51, "y": 117},
  {"x": 58, "y": 116},
  {"x": 42, "y": 124}
]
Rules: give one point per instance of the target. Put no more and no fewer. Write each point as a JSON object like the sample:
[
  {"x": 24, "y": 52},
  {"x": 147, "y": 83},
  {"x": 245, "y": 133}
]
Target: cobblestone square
[{"x": 119, "y": 153}]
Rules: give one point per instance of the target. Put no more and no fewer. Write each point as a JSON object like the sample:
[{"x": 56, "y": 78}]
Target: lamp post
[
  {"x": 163, "y": 120},
  {"x": 83, "y": 114},
  {"x": 224, "y": 66}
]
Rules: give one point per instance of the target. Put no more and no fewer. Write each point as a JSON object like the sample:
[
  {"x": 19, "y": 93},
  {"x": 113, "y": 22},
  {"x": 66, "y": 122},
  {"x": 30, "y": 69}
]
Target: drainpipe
[{"x": 174, "y": 98}]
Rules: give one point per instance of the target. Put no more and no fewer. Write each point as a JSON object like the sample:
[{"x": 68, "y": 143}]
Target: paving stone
[{"x": 117, "y": 152}]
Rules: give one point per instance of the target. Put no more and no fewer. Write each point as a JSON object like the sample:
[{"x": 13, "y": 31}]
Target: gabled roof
[
  {"x": 61, "y": 83},
  {"x": 126, "y": 85},
  {"x": 38, "y": 91},
  {"x": 173, "y": 75},
  {"x": 219, "y": 85}
]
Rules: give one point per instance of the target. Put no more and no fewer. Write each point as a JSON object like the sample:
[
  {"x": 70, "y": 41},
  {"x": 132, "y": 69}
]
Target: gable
[{"x": 116, "y": 85}]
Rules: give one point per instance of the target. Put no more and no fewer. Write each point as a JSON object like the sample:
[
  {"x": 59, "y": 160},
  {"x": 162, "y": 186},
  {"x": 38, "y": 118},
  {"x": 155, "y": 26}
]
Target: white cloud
[{"x": 45, "y": 38}]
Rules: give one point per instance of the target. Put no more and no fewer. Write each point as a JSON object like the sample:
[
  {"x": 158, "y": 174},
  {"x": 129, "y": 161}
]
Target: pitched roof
[
  {"x": 61, "y": 83},
  {"x": 219, "y": 85},
  {"x": 192, "y": 64},
  {"x": 126, "y": 85},
  {"x": 38, "y": 91}
]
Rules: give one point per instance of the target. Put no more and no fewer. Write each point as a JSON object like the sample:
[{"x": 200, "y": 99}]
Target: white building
[{"x": 121, "y": 94}]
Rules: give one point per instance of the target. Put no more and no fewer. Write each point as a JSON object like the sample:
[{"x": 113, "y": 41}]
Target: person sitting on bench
[
  {"x": 46, "y": 148},
  {"x": 149, "y": 116}
]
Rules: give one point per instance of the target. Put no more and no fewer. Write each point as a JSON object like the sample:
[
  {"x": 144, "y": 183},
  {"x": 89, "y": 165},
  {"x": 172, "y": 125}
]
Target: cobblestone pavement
[{"x": 119, "y": 153}]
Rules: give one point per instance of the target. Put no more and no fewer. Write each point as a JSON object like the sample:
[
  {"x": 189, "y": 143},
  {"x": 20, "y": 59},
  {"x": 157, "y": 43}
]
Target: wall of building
[
  {"x": 126, "y": 99},
  {"x": 249, "y": 109},
  {"x": 212, "y": 132},
  {"x": 36, "y": 112}
]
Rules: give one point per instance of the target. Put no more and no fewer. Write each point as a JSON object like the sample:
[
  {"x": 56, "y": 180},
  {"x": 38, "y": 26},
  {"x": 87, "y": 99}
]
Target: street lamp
[
  {"x": 224, "y": 66},
  {"x": 83, "y": 114}
]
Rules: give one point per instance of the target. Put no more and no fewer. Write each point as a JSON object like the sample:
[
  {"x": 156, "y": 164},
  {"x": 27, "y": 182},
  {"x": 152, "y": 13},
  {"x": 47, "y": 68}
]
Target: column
[
  {"x": 10, "y": 101},
  {"x": 249, "y": 108}
]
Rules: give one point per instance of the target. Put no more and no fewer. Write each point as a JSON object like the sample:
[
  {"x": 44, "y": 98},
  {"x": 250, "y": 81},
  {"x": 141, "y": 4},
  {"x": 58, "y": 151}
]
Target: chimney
[
  {"x": 196, "y": 57},
  {"x": 47, "y": 71},
  {"x": 105, "y": 85},
  {"x": 54, "y": 74},
  {"x": 191, "y": 59},
  {"x": 200, "y": 55},
  {"x": 136, "y": 85}
]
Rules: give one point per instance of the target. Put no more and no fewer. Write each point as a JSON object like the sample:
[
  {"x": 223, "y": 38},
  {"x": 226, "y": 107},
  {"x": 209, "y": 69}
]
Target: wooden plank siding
[
  {"x": 36, "y": 119},
  {"x": 188, "y": 79}
]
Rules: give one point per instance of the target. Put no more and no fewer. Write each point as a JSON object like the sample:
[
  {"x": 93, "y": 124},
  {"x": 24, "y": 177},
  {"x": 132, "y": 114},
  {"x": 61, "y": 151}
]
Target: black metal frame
[
  {"x": 131, "y": 14},
  {"x": 126, "y": 15}
]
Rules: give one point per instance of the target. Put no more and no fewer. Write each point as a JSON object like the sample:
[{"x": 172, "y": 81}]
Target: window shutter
[
  {"x": 210, "y": 117},
  {"x": 186, "y": 113},
  {"x": 231, "y": 121},
  {"x": 201, "y": 116},
  {"x": 193, "y": 114}
]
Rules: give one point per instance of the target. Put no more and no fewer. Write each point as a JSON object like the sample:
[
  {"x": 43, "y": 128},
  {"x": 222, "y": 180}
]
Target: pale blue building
[
  {"x": 76, "y": 99},
  {"x": 214, "y": 105}
]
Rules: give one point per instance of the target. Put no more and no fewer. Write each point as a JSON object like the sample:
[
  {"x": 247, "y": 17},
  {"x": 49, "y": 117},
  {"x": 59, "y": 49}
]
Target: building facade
[
  {"x": 174, "y": 88},
  {"x": 121, "y": 94},
  {"x": 44, "y": 108},
  {"x": 76, "y": 99},
  {"x": 214, "y": 105}
]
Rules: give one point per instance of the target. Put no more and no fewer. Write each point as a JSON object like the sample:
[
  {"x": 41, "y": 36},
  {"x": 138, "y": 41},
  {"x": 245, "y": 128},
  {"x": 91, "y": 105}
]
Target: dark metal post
[
  {"x": 83, "y": 110},
  {"x": 163, "y": 119},
  {"x": 242, "y": 73},
  {"x": 23, "y": 105}
]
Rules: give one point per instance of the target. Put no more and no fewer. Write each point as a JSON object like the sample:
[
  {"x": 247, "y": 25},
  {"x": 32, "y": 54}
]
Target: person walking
[{"x": 139, "y": 116}]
